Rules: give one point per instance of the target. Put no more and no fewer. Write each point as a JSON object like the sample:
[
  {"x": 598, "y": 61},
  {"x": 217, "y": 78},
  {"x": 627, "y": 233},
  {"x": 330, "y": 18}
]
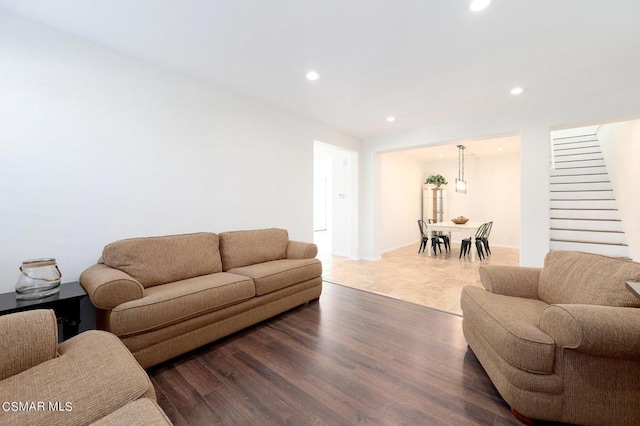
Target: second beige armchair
[{"x": 561, "y": 342}]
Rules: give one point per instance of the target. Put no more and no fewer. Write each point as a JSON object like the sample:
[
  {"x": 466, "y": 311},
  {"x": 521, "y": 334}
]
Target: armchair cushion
[
  {"x": 582, "y": 278},
  {"x": 26, "y": 340},
  {"x": 242, "y": 248},
  {"x": 159, "y": 260},
  {"x": 513, "y": 325}
]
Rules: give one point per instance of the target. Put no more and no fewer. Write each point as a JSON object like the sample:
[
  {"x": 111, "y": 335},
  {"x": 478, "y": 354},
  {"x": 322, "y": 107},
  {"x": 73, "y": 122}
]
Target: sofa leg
[
  {"x": 317, "y": 299},
  {"x": 522, "y": 418}
]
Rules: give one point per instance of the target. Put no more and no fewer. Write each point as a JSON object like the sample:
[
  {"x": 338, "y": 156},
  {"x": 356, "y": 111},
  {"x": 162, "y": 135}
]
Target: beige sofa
[
  {"x": 164, "y": 296},
  {"x": 90, "y": 378},
  {"x": 560, "y": 342}
]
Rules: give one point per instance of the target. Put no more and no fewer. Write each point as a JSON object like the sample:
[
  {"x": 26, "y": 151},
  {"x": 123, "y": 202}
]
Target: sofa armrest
[
  {"x": 27, "y": 339},
  {"x": 516, "y": 281},
  {"x": 300, "y": 250},
  {"x": 108, "y": 287},
  {"x": 598, "y": 330}
]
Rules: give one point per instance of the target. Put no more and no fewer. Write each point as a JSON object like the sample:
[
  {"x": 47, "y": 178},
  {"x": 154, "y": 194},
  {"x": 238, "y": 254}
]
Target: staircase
[{"x": 584, "y": 216}]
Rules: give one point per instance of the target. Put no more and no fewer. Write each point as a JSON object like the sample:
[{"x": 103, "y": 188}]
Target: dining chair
[
  {"x": 465, "y": 246},
  {"x": 440, "y": 235},
  {"x": 485, "y": 237},
  {"x": 423, "y": 243}
]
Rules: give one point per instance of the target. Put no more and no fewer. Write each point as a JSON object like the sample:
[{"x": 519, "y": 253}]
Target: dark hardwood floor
[{"x": 353, "y": 357}]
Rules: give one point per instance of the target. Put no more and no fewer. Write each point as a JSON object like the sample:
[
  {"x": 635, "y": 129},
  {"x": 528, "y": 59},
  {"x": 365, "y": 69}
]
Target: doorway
[{"x": 335, "y": 200}]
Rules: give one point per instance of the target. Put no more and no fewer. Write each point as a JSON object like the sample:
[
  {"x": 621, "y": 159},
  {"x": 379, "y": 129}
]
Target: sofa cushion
[
  {"x": 159, "y": 260},
  {"x": 242, "y": 248},
  {"x": 510, "y": 325},
  {"x": 582, "y": 278},
  {"x": 178, "y": 301},
  {"x": 278, "y": 274}
]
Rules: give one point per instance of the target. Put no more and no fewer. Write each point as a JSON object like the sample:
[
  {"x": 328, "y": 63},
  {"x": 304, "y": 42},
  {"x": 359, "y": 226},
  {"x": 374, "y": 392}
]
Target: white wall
[
  {"x": 401, "y": 200},
  {"x": 493, "y": 193},
  {"x": 620, "y": 144},
  {"x": 96, "y": 146}
]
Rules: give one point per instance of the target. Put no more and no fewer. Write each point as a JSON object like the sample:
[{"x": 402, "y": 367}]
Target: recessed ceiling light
[
  {"x": 499, "y": 148},
  {"x": 517, "y": 90},
  {"x": 391, "y": 119},
  {"x": 313, "y": 76},
  {"x": 478, "y": 5},
  {"x": 441, "y": 155}
]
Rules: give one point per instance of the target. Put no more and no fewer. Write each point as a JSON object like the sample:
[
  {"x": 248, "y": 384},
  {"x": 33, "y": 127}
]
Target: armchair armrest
[
  {"x": 599, "y": 330},
  {"x": 27, "y": 339},
  {"x": 300, "y": 250},
  {"x": 514, "y": 281},
  {"x": 108, "y": 287}
]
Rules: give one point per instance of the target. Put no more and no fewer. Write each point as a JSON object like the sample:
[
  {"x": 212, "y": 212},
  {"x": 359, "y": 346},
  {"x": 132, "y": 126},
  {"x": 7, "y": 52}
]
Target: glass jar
[{"x": 39, "y": 278}]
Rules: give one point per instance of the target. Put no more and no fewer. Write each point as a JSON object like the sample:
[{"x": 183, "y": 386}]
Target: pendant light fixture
[{"x": 461, "y": 185}]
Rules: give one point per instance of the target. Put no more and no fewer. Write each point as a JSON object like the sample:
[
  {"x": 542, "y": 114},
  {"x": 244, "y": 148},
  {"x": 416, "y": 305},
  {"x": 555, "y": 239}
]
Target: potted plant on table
[{"x": 437, "y": 180}]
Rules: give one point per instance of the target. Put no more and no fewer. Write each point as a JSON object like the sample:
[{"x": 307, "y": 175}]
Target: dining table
[{"x": 469, "y": 229}]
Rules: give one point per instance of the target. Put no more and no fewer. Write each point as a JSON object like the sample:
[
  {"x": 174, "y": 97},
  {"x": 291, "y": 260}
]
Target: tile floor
[{"x": 404, "y": 274}]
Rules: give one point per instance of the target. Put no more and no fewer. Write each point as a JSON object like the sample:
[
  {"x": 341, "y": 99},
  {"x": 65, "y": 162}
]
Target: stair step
[
  {"x": 610, "y": 225},
  {"x": 574, "y": 139},
  {"x": 577, "y": 149},
  {"x": 579, "y": 164},
  {"x": 603, "y": 249},
  {"x": 583, "y": 235},
  {"x": 590, "y": 214},
  {"x": 556, "y": 240},
  {"x": 565, "y": 157},
  {"x": 581, "y": 186},
  {"x": 578, "y": 171},
  {"x": 588, "y": 204},
  {"x": 581, "y": 195},
  {"x": 583, "y": 178}
]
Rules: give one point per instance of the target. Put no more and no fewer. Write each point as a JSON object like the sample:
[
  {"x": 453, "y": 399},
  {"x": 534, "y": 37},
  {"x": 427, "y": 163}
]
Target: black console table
[{"x": 66, "y": 305}]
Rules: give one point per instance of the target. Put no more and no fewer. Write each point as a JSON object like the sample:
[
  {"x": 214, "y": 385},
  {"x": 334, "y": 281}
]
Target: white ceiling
[
  {"x": 425, "y": 62},
  {"x": 476, "y": 148}
]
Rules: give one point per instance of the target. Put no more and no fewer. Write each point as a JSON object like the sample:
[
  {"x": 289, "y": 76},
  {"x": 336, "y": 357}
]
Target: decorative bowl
[{"x": 461, "y": 220}]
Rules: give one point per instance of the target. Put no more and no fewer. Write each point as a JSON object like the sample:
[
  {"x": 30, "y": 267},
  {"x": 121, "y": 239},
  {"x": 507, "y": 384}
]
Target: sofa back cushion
[
  {"x": 243, "y": 248},
  {"x": 584, "y": 278},
  {"x": 160, "y": 260}
]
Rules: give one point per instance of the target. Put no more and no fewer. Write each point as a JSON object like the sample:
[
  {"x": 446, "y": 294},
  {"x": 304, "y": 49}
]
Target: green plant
[{"x": 436, "y": 180}]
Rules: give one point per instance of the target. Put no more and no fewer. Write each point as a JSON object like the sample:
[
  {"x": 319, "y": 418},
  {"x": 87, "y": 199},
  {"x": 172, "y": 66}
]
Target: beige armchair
[
  {"x": 561, "y": 342},
  {"x": 90, "y": 377}
]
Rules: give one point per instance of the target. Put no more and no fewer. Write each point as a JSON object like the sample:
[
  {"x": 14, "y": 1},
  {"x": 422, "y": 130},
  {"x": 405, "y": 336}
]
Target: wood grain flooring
[{"x": 352, "y": 358}]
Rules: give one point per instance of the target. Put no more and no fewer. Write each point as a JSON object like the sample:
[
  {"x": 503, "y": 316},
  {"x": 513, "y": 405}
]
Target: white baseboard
[{"x": 416, "y": 243}]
